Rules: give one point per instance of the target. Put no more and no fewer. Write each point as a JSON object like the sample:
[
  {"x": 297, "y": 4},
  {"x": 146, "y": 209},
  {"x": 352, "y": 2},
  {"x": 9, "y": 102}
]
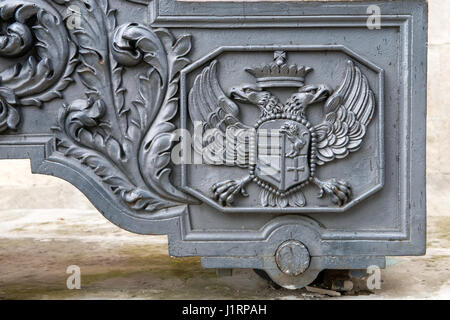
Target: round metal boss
[{"x": 292, "y": 257}]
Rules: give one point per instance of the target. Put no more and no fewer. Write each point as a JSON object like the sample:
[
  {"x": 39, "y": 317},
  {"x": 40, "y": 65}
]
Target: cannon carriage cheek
[{"x": 174, "y": 119}]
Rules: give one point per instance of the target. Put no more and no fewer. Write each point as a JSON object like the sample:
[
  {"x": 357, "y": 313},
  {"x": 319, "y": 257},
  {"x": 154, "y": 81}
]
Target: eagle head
[
  {"x": 312, "y": 94},
  {"x": 252, "y": 94},
  {"x": 306, "y": 96},
  {"x": 248, "y": 93}
]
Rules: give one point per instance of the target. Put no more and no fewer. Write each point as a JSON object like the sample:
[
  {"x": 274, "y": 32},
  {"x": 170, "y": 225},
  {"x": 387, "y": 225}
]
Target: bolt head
[{"x": 292, "y": 258}]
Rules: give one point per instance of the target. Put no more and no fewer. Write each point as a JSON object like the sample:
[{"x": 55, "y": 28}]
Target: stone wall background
[{"x": 19, "y": 189}]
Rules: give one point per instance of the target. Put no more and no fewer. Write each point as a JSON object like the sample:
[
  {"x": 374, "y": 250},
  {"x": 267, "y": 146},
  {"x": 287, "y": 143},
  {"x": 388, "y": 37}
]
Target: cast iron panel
[{"x": 283, "y": 136}]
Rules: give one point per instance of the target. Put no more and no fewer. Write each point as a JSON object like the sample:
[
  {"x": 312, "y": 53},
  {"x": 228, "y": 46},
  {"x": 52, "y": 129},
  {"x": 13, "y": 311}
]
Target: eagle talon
[
  {"x": 226, "y": 191},
  {"x": 321, "y": 193},
  {"x": 339, "y": 191}
]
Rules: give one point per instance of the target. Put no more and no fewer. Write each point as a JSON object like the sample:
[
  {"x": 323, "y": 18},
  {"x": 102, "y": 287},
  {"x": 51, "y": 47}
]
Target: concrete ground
[{"x": 37, "y": 246}]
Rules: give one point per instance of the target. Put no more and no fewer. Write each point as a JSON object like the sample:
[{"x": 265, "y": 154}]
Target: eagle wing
[
  {"x": 348, "y": 113},
  {"x": 228, "y": 141}
]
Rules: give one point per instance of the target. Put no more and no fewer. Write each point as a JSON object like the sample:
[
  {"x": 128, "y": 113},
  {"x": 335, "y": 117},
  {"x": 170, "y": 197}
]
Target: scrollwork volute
[
  {"x": 43, "y": 73},
  {"x": 17, "y": 40}
]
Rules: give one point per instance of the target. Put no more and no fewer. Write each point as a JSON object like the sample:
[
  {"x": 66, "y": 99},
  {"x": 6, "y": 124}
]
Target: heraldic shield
[{"x": 282, "y": 158}]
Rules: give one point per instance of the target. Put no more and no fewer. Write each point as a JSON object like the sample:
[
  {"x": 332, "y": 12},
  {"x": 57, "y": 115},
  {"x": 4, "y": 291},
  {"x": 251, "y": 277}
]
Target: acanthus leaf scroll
[{"x": 127, "y": 145}]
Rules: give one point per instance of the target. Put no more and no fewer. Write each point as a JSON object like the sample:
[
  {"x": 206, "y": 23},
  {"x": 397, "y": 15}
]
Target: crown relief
[{"x": 279, "y": 74}]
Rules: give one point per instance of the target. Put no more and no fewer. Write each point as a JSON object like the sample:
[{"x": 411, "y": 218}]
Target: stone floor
[{"x": 36, "y": 247}]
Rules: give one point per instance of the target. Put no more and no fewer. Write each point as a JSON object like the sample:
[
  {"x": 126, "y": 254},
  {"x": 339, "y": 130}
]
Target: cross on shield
[{"x": 282, "y": 159}]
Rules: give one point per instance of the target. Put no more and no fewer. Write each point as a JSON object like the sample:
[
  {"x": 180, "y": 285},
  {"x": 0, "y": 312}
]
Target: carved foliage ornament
[
  {"x": 125, "y": 143},
  {"x": 42, "y": 75}
]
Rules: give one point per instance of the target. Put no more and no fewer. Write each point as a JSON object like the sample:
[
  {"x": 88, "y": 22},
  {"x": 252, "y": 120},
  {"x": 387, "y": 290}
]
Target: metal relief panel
[{"x": 288, "y": 137}]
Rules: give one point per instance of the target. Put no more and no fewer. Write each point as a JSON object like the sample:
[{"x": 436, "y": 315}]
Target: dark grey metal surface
[{"x": 99, "y": 92}]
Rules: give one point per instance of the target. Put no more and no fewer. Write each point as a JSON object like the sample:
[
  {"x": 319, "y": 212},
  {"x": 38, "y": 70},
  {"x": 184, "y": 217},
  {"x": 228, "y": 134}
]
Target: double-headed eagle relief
[{"x": 283, "y": 149}]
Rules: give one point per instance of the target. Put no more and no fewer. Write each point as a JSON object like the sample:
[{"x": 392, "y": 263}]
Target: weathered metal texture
[{"x": 96, "y": 92}]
